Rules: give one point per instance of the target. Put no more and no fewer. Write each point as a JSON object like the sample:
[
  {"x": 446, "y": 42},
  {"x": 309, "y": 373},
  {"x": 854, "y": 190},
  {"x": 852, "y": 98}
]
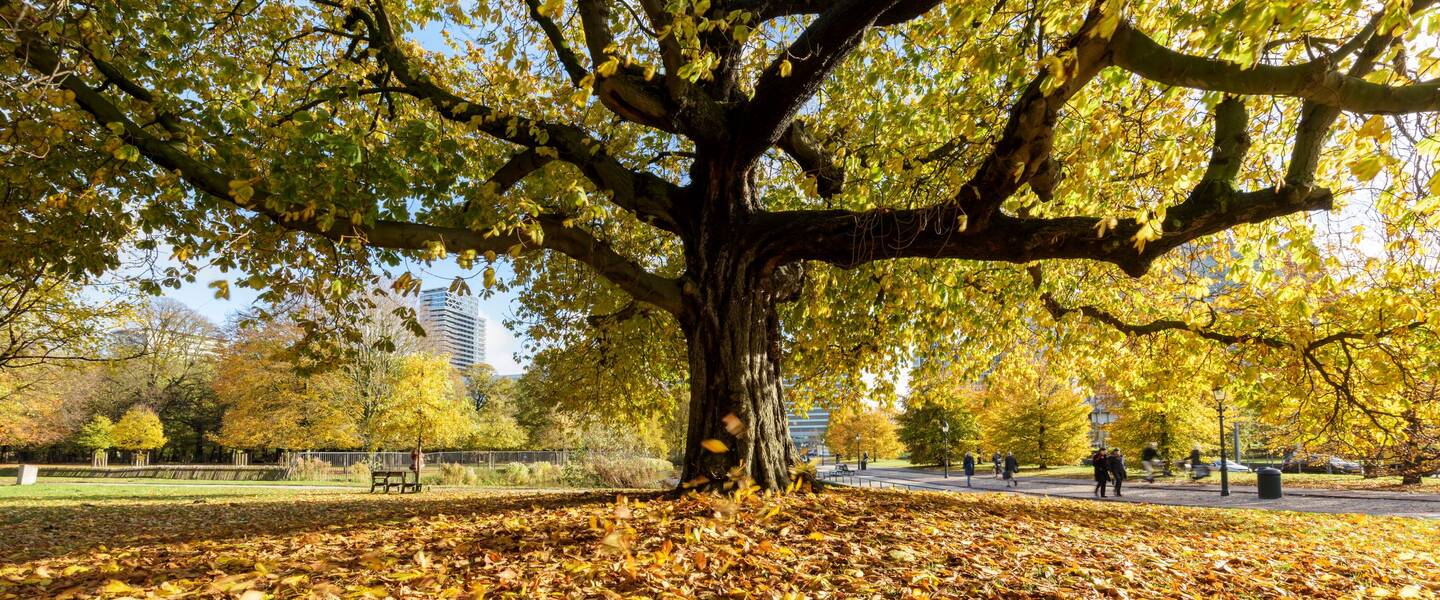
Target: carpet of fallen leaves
[{"x": 840, "y": 544}]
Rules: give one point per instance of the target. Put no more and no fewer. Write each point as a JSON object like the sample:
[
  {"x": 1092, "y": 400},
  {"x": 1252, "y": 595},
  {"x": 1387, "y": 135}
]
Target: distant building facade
[
  {"x": 1100, "y": 417},
  {"x": 807, "y": 430},
  {"x": 454, "y": 323}
]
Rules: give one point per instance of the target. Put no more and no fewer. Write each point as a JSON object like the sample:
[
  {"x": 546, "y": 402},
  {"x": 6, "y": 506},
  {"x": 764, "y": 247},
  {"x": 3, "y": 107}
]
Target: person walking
[
  {"x": 1100, "y": 464},
  {"x": 995, "y": 460},
  {"x": 1012, "y": 467},
  {"x": 1147, "y": 460},
  {"x": 1195, "y": 462},
  {"x": 1116, "y": 464},
  {"x": 969, "y": 466},
  {"x": 864, "y": 460}
]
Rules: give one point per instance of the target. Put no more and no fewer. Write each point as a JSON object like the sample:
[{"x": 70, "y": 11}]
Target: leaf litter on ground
[{"x": 838, "y": 544}]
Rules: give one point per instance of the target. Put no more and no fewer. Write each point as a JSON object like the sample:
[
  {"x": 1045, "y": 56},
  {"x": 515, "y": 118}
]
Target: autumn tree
[
  {"x": 272, "y": 400},
  {"x": 852, "y": 432},
  {"x": 493, "y": 397},
  {"x": 95, "y": 436},
  {"x": 930, "y": 406},
  {"x": 138, "y": 431},
  {"x": 1034, "y": 412},
  {"x": 712, "y": 160},
  {"x": 427, "y": 406}
]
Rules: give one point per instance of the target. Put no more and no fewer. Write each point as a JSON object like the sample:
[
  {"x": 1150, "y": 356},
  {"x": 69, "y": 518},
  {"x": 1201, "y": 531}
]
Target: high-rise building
[
  {"x": 454, "y": 323},
  {"x": 807, "y": 430}
]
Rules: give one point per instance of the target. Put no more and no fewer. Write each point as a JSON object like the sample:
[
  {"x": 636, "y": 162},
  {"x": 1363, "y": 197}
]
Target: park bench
[
  {"x": 404, "y": 480},
  {"x": 842, "y": 468}
]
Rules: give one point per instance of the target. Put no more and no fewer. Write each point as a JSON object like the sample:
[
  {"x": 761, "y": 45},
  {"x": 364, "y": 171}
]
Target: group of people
[
  {"x": 1006, "y": 467},
  {"x": 1109, "y": 468}
]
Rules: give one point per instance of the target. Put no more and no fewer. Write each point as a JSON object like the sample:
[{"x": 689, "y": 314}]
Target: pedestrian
[
  {"x": 969, "y": 465},
  {"x": 1012, "y": 467},
  {"x": 995, "y": 460},
  {"x": 1099, "y": 464},
  {"x": 864, "y": 460},
  {"x": 1147, "y": 460},
  {"x": 1195, "y": 462},
  {"x": 1116, "y": 464}
]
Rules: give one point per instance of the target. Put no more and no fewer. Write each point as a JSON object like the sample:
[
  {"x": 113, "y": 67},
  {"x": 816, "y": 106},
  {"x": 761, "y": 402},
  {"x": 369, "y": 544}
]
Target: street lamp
[
  {"x": 859, "y": 453},
  {"x": 945, "y": 428},
  {"x": 1224, "y": 463}
]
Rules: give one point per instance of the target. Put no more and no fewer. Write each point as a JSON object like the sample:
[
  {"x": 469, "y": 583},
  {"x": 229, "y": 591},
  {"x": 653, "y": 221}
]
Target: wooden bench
[{"x": 403, "y": 480}]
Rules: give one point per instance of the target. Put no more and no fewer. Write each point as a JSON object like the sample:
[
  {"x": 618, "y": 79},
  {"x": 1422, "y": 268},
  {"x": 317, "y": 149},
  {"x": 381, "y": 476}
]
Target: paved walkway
[{"x": 1136, "y": 490}]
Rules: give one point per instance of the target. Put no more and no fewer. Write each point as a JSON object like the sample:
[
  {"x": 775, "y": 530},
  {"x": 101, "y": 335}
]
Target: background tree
[
  {"x": 41, "y": 405},
  {"x": 427, "y": 407},
  {"x": 1032, "y": 412},
  {"x": 493, "y": 398},
  {"x": 854, "y": 431},
  {"x": 713, "y": 161},
  {"x": 95, "y": 434},
  {"x": 138, "y": 431},
  {"x": 934, "y": 402},
  {"x": 272, "y": 400}
]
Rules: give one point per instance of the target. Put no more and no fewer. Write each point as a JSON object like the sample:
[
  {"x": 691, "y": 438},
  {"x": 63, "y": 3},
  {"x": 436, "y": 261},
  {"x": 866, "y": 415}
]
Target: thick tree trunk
[
  {"x": 732, "y": 334},
  {"x": 736, "y": 396}
]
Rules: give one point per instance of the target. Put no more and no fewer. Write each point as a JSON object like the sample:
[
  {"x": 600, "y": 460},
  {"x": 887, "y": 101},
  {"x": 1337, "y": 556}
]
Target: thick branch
[
  {"x": 805, "y": 150},
  {"x": 648, "y": 196},
  {"x": 568, "y": 59},
  {"x": 1316, "y": 80},
  {"x": 849, "y": 239},
  {"x": 400, "y": 235},
  {"x": 1022, "y": 155},
  {"x": 781, "y": 90}
]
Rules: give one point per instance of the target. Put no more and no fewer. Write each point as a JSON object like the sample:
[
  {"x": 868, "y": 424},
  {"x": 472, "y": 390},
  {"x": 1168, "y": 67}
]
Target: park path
[{"x": 1136, "y": 490}]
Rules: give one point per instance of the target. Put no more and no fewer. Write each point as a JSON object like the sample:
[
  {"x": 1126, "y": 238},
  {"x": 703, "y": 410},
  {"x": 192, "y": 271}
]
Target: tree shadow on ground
[{"x": 40, "y": 532}]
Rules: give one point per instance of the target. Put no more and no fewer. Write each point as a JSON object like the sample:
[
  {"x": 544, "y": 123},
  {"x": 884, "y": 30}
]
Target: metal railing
[{"x": 395, "y": 460}]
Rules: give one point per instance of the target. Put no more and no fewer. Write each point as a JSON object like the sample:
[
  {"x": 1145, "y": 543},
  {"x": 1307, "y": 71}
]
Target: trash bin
[{"x": 1268, "y": 480}]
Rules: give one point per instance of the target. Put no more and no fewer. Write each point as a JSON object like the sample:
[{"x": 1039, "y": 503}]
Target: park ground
[{"x": 113, "y": 541}]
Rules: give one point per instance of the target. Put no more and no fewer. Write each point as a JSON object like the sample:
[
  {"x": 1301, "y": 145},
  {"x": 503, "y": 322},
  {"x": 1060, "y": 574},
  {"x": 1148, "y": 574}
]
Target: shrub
[
  {"x": 515, "y": 474},
  {"x": 359, "y": 472},
  {"x": 453, "y": 474},
  {"x": 629, "y": 471},
  {"x": 546, "y": 474},
  {"x": 308, "y": 469}
]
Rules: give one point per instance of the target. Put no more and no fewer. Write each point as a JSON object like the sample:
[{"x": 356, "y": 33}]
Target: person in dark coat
[
  {"x": 1148, "y": 459},
  {"x": 995, "y": 460},
  {"x": 969, "y": 465},
  {"x": 864, "y": 460},
  {"x": 1195, "y": 463},
  {"x": 1100, "y": 464},
  {"x": 1116, "y": 464},
  {"x": 1012, "y": 466}
]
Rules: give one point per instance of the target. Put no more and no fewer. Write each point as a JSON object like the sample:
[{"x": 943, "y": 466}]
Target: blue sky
[{"x": 500, "y": 343}]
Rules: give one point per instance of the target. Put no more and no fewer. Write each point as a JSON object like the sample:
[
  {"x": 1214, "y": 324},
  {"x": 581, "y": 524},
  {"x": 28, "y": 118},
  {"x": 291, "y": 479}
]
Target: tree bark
[{"x": 732, "y": 336}]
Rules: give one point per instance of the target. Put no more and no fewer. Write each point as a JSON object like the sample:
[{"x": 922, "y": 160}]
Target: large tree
[{"x": 701, "y": 156}]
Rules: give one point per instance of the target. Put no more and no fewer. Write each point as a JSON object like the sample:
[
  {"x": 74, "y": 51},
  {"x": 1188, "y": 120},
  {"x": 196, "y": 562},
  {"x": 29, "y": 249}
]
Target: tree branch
[
  {"x": 554, "y": 231},
  {"x": 805, "y": 150},
  {"x": 1022, "y": 155},
  {"x": 781, "y": 89},
  {"x": 1315, "y": 80},
  {"x": 648, "y": 196}
]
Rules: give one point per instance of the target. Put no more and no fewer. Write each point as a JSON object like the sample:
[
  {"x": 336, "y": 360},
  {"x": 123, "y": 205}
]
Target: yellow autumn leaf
[{"x": 715, "y": 446}]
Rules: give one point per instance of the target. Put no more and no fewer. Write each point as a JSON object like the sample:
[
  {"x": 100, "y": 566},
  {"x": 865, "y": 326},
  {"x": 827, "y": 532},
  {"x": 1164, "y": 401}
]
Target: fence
[
  {"x": 204, "y": 472},
  {"x": 398, "y": 460}
]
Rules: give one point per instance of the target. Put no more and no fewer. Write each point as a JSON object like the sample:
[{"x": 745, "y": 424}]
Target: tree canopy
[{"x": 767, "y": 179}]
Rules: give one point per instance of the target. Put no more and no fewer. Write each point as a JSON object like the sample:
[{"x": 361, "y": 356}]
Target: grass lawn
[
  {"x": 841, "y": 544},
  {"x": 48, "y": 493}
]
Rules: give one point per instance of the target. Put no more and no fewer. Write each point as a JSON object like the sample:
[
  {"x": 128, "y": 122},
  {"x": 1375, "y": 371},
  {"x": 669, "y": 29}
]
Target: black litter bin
[{"x": 1268, "y": 480}]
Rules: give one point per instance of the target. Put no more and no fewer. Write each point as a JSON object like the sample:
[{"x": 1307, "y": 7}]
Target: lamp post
[
  {"x": 859, "y": 453},
  {"x": 1224, "y": 462},
  {"x": 945, "y": 429}
]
